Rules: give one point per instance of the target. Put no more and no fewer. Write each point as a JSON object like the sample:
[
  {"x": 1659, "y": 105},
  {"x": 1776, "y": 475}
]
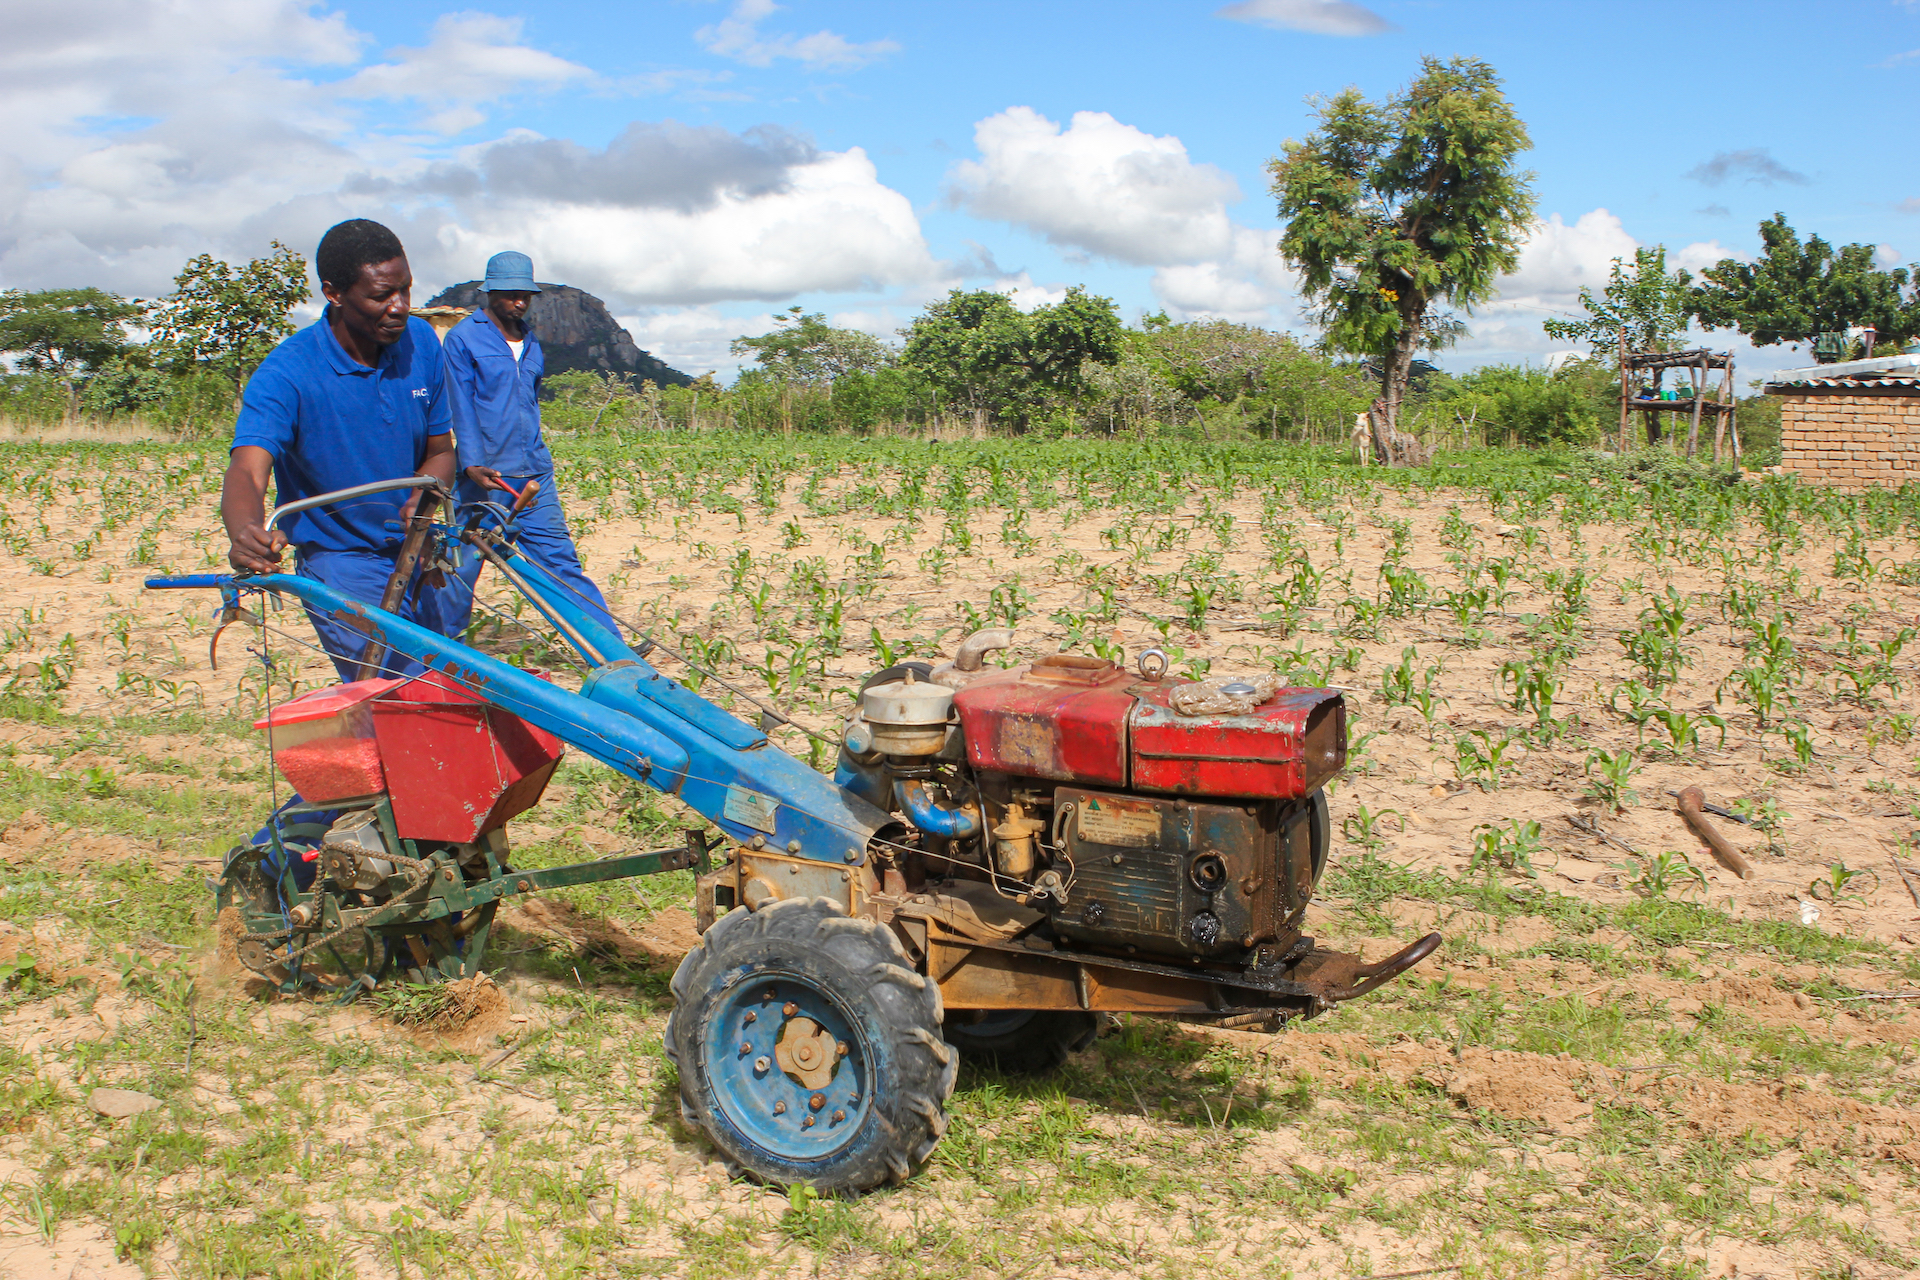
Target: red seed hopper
[{"x": 452, "y": 767}]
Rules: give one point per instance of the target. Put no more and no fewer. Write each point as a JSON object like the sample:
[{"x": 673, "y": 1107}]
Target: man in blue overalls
[
  {"x": 357, "y": 396},
  {"x": 494, "y": 367}
]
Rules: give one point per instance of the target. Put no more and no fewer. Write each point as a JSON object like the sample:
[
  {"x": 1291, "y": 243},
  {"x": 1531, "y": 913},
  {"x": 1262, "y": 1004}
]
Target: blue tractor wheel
[{"x": 809, "y": 1050}]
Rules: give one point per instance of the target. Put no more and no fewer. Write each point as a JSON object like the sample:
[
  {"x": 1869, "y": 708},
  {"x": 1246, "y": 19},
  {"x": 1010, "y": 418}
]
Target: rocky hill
[{"x": 576, "y": 332}]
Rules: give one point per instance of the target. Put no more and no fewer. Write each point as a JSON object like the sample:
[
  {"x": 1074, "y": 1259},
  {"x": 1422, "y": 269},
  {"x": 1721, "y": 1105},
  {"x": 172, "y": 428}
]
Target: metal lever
[
  {"x": 1369, "y": 977},
  {"x": 356, "y": 491}
]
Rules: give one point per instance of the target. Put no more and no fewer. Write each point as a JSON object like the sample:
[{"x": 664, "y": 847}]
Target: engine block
[{"x": 1170, "y": 876}]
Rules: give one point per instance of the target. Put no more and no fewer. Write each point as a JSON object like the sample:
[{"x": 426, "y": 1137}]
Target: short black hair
[{"x": 350, "y": 247}]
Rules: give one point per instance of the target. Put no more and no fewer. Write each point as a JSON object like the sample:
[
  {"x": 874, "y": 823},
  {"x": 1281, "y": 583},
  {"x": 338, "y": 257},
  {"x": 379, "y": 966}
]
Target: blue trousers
[
  {"x": 543, "y": 539},
  {"x": 363, "y": 575}
]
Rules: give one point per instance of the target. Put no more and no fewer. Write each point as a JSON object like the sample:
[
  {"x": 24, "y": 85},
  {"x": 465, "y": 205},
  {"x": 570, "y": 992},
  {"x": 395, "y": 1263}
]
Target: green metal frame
[{"x": 425, "y": 913}]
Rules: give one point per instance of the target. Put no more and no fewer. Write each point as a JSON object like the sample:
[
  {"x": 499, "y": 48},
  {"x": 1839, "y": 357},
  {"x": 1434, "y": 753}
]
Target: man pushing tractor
[{"x": 359, "y": 396}]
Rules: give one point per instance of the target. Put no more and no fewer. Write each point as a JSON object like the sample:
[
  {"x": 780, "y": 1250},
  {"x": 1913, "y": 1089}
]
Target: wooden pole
[
  {"x": 1725, "y": 416},
  {"x": 1733, "y": 413},
  {"x": 1623, "y": 388},
  {"x": 1698, "y": 376}
]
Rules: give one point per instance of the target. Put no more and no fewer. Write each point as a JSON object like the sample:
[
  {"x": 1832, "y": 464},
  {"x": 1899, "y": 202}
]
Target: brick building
[{"x": 1854, "y": 425}]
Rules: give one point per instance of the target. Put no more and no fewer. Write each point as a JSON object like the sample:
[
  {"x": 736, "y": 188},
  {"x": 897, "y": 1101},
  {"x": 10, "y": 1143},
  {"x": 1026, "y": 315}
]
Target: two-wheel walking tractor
[{"x": 1002, "y": 857}]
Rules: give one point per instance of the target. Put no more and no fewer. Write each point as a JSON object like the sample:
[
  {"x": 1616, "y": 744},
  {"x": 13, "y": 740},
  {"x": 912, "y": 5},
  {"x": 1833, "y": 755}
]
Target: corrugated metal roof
[
  {"x": 1781, "y": 382},
  {"x": 1847, "y": 368}
]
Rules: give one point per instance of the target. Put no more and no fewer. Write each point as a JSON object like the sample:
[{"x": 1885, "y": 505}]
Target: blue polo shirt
[
  {"x": 330, "y": 423},
  {"x": 496, "y": 399}
]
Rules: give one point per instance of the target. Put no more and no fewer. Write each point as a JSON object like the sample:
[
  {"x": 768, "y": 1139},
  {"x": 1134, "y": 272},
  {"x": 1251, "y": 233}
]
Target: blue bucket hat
[{"x": 510, "y": 273}]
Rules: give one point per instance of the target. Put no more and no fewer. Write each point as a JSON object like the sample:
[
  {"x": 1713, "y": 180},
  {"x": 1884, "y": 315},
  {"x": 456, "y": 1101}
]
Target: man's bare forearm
[
  {"x": 243, "y": 500},
  {"x": 440, "y": 459},
  {"x": 243, "y": 505}
]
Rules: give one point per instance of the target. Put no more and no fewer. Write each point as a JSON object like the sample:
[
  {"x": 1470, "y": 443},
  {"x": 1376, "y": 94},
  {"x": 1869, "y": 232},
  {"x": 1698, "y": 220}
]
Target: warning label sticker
[
  {"x": 1105, "y": 821},
  {"x": 751, "y": 809}
]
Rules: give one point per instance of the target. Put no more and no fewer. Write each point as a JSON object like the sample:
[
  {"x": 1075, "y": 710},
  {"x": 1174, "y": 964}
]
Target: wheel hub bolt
[
  {"x": 759, "y": 1064},
  {"x": 817, "y": 1101},
  {"x": 745, "y": 1047},
  {"x": 841, "y": 1049},
  {"x": 751, "y": 1015},
  {"x": 838, "y": 1116},
  {"x": 807, "y": 1123},
  {"x": 789, "y": 1008},
  {"x": 780, "y": 1108}
]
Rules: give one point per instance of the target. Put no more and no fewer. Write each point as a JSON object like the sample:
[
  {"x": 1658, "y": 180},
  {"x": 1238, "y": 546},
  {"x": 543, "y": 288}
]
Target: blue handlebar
[
  {"x": 627, "y": 715},
  {"x": 201, "y": 580}
]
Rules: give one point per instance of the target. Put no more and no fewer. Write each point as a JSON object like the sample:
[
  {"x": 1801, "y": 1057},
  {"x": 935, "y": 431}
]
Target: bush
[
  {"x": 124, "y": 387},
  {"x": 1651, "y": 466},
  {"x": 1536, "y": 407}
]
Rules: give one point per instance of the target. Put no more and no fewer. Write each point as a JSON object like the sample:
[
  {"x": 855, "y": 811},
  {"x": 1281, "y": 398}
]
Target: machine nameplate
[
  {"x": 751, "y": 809},
  {"x": 1106, "y": 821}
]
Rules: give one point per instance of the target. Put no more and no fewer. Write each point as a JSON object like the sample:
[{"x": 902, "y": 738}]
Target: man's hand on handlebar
[
  {"x": 410, "y": 506},
  {"x": 254, "y": 549},
  {"x": 488, "y": 478}
]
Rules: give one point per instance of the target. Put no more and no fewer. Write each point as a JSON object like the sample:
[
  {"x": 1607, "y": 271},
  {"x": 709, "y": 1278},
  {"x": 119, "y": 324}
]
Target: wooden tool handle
[
  {"x": 404, "y": 564},
  {"x": 1725, "y": 854}
]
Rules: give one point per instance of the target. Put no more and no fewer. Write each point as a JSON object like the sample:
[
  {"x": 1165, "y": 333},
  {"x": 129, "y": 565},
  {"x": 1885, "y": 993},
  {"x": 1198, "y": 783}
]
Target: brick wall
[{"x": 1851, "y": 442}]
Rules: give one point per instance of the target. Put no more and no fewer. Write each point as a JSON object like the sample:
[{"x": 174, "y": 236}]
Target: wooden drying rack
[{"x": 1699, "y": 364}]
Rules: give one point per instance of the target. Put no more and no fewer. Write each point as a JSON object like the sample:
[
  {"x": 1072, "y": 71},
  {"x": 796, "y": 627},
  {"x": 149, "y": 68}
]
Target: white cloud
[
  {"x": 1109, "y": 190},
  {"x": 1251, "y": 284},
  {"x": 1027, "y": 294},
  {"x": 1100, "y": 186},
  {"x": 694, "y": 339},
  {"x": 1321, "y": 17},
  {"x": 738, "y": 36},
  {"x": 1559, "y": 259},
  {"x": 834, "y": 227},
  {"x": 117, "y": 166},
  {"x": 471, "y": 60}
]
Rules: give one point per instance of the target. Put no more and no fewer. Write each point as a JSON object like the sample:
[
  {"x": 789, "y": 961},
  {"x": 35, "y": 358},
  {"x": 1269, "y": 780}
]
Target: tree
[
  {"x": 1213, "y": 359},
  {"x": 230, "y": 319},
  {"x": 1650, "y": 303},
  {"x": 1797, "y": 290},
  {"x": 980, "y": 350},
  {"x": 1393, "y": 207},
  {"x": 65, "y": 332},
  {"x": 806, "y": 350}
]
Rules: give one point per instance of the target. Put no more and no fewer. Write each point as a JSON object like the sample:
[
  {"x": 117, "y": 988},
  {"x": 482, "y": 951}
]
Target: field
[{"x": 1625, "y": 1061}]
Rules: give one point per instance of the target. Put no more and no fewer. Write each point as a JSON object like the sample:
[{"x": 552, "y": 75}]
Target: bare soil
[{"x": 1613, "y": 1067}]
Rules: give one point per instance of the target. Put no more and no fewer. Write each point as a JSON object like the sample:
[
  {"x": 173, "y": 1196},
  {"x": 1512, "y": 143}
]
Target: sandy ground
[{"x": 1833, "y": 864}]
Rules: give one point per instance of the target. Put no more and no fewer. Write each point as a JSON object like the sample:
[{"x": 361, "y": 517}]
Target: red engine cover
[
  {"x": 1064, "y": 718},
  {"x": 1286, "y": 748},
  {"x": 456, "y": 767},
  {"x": 1085, "y": 720}
]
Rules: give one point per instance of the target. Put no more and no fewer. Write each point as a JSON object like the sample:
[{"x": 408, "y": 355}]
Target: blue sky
[{"x": 702, "y": 164}]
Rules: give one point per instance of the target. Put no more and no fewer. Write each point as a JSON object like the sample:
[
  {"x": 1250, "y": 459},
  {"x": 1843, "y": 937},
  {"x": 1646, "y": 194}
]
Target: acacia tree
[
  {"x": 65, "y": 332},
  {"x": 1393, "y": 207},
  {"x": 229, "y": 319},
  {"x": 1797, "y": 290},
  {"x": 1652, "y": 304},
  {"x": 803, "y": 348}
]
